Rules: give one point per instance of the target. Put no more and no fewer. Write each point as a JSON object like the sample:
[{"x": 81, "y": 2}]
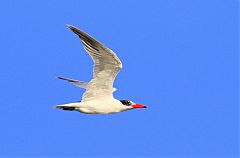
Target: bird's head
[{"x": 132, "y": 105}]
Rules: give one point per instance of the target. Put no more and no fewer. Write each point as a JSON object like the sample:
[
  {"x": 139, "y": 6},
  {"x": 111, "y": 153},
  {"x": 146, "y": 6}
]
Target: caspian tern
[{"x": 98, "y": 97}]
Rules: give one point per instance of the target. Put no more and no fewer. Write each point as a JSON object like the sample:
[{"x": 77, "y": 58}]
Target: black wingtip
[
  {"x": 60, "y": 78},
  {"x": 73, "y": 28},
  {"x": 85, "y": 37},
  {"x": 70, "y": 26}
]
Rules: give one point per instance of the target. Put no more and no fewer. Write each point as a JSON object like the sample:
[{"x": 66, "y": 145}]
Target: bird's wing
[
  {"x": 75, "y": 82},
  {"x": 106, "y": 67}
]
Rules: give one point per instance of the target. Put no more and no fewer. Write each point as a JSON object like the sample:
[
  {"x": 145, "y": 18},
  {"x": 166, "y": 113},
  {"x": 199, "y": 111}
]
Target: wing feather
[{"x": 105, "y": 69}]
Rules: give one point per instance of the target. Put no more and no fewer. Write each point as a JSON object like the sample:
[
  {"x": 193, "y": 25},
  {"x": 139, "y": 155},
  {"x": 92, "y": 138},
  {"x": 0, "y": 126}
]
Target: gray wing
[
  {"x": 105, "y": 69},
  {"x": 75, "y": 82}
]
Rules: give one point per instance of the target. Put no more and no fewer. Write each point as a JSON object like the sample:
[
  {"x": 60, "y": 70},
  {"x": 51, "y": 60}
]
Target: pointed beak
[{"x": 138, "y": 106}]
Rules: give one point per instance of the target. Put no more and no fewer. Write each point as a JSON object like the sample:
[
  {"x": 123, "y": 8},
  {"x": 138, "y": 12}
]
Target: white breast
[{"x": 103, "y": 106}]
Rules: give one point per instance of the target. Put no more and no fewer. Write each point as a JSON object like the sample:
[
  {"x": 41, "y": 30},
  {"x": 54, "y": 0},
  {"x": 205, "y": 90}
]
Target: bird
[{"x": 98, "y": 96}]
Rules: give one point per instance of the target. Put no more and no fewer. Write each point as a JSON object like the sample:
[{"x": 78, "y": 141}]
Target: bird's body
[
  {"x": 101, "y": 106},
  {"x": 98, "y": 97}
]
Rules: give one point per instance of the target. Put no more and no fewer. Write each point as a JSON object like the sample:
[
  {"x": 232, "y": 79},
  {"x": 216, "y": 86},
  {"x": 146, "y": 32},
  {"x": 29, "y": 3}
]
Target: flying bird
[{"x": 98, "y": 97}]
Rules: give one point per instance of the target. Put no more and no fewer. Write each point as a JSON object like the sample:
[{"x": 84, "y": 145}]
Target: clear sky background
[{"x": 180, "y": 58}]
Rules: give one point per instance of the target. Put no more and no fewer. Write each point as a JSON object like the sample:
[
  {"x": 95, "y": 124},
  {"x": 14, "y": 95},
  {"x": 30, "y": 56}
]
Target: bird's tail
[
  {"x": 75, "y": 82},
  {"x": 69, "y": 106},
  {"x": 66, "y": 108}
]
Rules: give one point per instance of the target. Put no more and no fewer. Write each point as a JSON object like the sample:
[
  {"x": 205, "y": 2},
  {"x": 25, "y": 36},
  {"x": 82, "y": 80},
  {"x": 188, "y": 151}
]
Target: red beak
[{"x": 138, "y": 106}]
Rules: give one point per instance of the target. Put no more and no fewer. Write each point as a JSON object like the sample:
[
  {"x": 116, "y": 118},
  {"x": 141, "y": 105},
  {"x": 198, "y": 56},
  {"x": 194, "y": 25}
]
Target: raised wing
[{"x": 106, "y": 67}]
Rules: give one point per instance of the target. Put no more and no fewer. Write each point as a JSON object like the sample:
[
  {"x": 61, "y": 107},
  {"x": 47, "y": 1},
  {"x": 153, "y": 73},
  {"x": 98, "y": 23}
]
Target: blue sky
[{"x": 180, "y": 58}]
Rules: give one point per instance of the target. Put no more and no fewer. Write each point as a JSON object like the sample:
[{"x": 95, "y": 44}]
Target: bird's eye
[{"x": 126, "y": 102}]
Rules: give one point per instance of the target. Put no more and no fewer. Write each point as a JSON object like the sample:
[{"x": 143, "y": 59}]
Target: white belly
[{"x": 100, "y": 106}]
